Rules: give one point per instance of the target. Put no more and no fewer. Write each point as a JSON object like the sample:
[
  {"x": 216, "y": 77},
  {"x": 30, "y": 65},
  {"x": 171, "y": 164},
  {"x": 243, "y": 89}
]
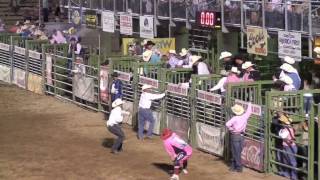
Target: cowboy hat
[
  {"x": 183, "y": 52},
  {"x": 288, "y": 60},
  {"x": 144, "y": 42},
  {"x": 43, "y": 37},
  {"x": 171, "y": 51},
  {"x": 72, "y": 30},
  {"x": 225, "y": 54},
  {"x": 286, "y": 79},
  {"x": 146, "y": 86},
  {"x": 317, "y": 51},
  {"x": 117, "y": 102},
  {"x": 235, "y": 70},
  {"x": 287, "y": 67},
  {"x": 285, "y": 119},
  {"x": 195, "y": 59},
  {"x": 237, "y": 109},
  {"x": 150, "y": 43},
  {"x": 224, "y": 73},
  {"x": 115, "y": 74},
  {"x": 166, "y": 133},
  {"x": 27, "y": 22},
  {"x": 247, "y": 64},
  {"x": 147, "y": 55}
]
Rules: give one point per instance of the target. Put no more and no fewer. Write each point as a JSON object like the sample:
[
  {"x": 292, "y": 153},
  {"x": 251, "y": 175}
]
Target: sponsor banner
[
  {"x": 104, "y": 89},
  {"x": 5, "y": 47},
  {"x": 5, "y": 73},
  {"x": 76, "y": 17},
  {"x": 162, "y": 44},
  {"x": 149, "y": 81},
  {"x": 127, "y": 106},
  {"x": 209, "y": 97},
  {"x": 49, "y": 69},
  {"x": 210, "y": 138},
  {"x": 177, "y": 89},
  {"x": 83, "y": 87},
  {"x": 126, "y": 24},
  {"x": 157, "y": 118},
  {"x": 252, "y": 154},
  {"x": 107, "y": 19},
  {"x": 289, "y": 44},
  {"x": 35, "y": 83},
  {"x": 256, "y": 109},
  {"x": 179, "y": 125},
  {"x": 19, "y": 50},
  {"x": 19, "y": 77},
  {"x": 123, "y": 75},
  {"x": 146, "y": 27},
  {"x": 91, "y": 18},
  {"x": 34, "y": 55},
  {"x": 257, "y": 41}
]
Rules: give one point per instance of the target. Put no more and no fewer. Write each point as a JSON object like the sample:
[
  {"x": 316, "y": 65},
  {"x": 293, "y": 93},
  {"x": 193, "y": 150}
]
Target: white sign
[
  {"x": 146, "y": 27},
  {"x": 289, "y": 44},
  {"x": 107, "y": 21},
  {"x": 210, "y": 97},
  {"x": 126, "y": 24},
  {"x": 5, "y": 47},
  {"x": 123, "y": 75},
  {"x": 145, "y": 80},
  {"x": 34, "y": 55},
  {"x": 256, "y": 109},
  {"x": 19, "y": 50},
  {"x": 177, "y": 89}
]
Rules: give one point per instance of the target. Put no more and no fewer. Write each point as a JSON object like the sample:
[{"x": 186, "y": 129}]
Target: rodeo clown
[
  {"x": 178, "y": 150},
  {"x": 113, "y": 124}
]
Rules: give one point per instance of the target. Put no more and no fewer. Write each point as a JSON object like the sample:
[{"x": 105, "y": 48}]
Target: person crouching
[
  {"x": 178, "y": 150},
  {"x": 113, "y": 125}
]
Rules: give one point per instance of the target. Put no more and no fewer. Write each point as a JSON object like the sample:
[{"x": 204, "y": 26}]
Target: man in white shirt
[
  {"x": 145, "y": 114},
  {"x": 221, "y": 83}
]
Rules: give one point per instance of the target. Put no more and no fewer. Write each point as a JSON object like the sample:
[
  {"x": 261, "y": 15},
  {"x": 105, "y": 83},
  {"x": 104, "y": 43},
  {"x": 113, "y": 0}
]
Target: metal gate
[
  {"x": 19, "y": 62},
  {"x": 5, "y": 62}
]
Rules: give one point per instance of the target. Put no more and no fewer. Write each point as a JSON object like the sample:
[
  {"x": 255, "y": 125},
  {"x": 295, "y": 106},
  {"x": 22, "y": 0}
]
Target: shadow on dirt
[
  {"x": 107, "y": 142},
  {"x": 163, "y": 166}
]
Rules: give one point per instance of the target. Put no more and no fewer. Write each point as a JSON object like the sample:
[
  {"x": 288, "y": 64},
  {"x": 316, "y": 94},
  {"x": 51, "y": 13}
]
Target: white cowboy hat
[
  {"x": 194, "y": 59},
  {"x": 225, "y": 54},
  {"x": 171, "y": 51},
  {"x": 237, "y": 109},
  {"x": 286, "y": 79},
  {"x": 146, "y": 86},
  {"x": 117, "y": 102},
  {"x": 27, "y": 22},
  {"x": 287, "y": 67},
  {"x": 235, "y": 70},
  {"x": 317, "y": 51},
  {"x": 183, "y": 52},
  {"x": 144, "y": 42},
  {"x": 247, "y": 64},
  {"x": 147, "y": 55},
  {"x": 224, "y": 73},
  {"x": 289, "y": 60}
]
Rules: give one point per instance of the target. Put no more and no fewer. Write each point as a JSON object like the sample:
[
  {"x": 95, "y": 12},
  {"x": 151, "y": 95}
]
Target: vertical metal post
[
  {"x": 98, "y": 73},
  {"x": 40, "y": 11},
  {"x": 155, "y": 32},
  {"x": 127, "y": 5},
  {"x": 170, "y": 17},
  {"x": 114, "y": 6},
  {"x": 311, "y": 152},
  {"x": 26, "y": 58},
  {"x": 11, "y": 59},
  {"x": 43, "y": 67},
  {"x": 286, "y": 15},
  {"x": 263, "y": 15},
  {"x": 54, "y": 63},
  {"x": 102, "y": 4},
  {"x": 141, "y": 10},
  {"x": 310, "y": 38},
  {"x": 242, "y": 24},
  {"x": 69, "y": 11}
]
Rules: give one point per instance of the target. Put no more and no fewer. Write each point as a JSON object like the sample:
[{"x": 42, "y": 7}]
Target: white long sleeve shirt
[
  {"x": 146, "y": 99},
  {"x": 116, "y": 116},
  {"x": 220, "y": 85}
]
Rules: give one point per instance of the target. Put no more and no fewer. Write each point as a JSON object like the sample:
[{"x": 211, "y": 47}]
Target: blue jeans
[
  {"x": 289, "y": 160},
  {"x": 69, "y": 66},
  {"x": 145, "y": 115},
  {"x": 236, "y": 149},
  {"x": 307, "y": 103},
  {"x": 116, "y": 130}
]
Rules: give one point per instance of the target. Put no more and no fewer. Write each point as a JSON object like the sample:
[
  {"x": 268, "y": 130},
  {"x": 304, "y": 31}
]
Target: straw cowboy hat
[
  {"x": 287, "y": 80},
  {"x": 235, "y": 70},
  {"x": 171, "y": 51},
  {"x": 287, "y": 67},
  {"x": 183, "y": 52},
  {"x": 289, "y": 60},
  {"x": 71, "y": 30},
  {"x": 147, "y": 55},
  {"x": 225, "y": 54},
  {"x": 285, "y": 119},
  {"x": 194, "y": 59},
  {"x": 146, "y": 86},
  {"x": 237, "y": 109},
  {"x": 247, "y": 64},
  {"x": 117, "y": 102},
  {"x": 166, "y": 133},
  {"x": 317, "y": 51}
]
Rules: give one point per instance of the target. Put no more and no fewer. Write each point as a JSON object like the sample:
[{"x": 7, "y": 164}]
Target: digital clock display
[{"x": 208, "y": 19}]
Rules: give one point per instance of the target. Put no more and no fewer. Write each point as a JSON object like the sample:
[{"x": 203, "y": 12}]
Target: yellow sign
[
  {"x": 35, "y": 83},
  {"x": 257, "y": 41},
  {"x": 91, "y": 19},
  {"x": 317, "y": 41},
  {"x": 163, "y": 44}
]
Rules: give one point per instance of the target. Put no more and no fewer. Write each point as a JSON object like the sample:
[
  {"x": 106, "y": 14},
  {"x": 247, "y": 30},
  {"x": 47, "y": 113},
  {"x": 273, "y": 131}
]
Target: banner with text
[
  {"x": 163, "y": 44},
  {"x": 252, "y": 154},
  {"x": 289, "y": 44},
  {"x": 126, "y": 24},
  {"x": 35, "y": 83},
  {"x": 104, "y": 89},
  {"x": 83, "y": 87},
  {"x": 257, "y": 41},
  {"x": 91, "y": 18},
  {"x": 146, "y": 27},
  {"x": 107, "y": 21},
  {"x": 19, "y": 77},
  {"x": 179, "y": 125},
  {"x": 5, "y": 73}
]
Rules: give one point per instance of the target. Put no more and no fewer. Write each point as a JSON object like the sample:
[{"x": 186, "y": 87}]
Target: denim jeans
[
  {"x": 236, "y": 149},
  {"x": 307, "y": 103},
  {"x": 289, "y": 160},
  {"x": 69, "y": 66},
  {"x": 116, "y": 130},
  {"x": 145, "y": 115}
]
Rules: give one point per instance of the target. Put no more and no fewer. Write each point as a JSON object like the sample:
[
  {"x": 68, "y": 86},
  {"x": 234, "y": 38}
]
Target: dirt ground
[{"x": 42, "y": 137}]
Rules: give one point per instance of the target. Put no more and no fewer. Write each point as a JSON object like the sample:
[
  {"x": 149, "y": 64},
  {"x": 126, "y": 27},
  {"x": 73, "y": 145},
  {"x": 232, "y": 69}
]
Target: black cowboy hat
[
  {"x": 150, "y": 43},
  {"x": 115, "y": 74}
]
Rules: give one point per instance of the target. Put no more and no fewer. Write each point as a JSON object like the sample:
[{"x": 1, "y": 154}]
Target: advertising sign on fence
[
  {"x": 107, "y": 19},
  {"x": 210, "y": 138},
  {"x": 83, "y": 87},
  {"x": 163, "y": 44},
  {"x": 91, "y": 18},
  {"x": 126, "y": 24},
  {"x": 128, "y": 106},
  {"x": 289, "y": 44},
  {"x": 5, "y": 47},
  {"x": 257, "y": 41},
  {"x": 123, "y": 75},
  {"x": 104, "y": 91},
  {"x": 19, "y": 77},
  {"x": 146, "y": 27},
  {"x": 177, "y": 89},
  {"x": 256, "y": 109},
  {"x": 179, "y": 125},
  {"x": 34, "y": 54},
  {"x": 35, "y": 83},
  {"x": 252, "y": 154},
  {"x": 49, "y": 69},
  {"x": 149, "y": 81},
  {"x": 5, "y": 73},
  {"x": 210, "y": 97},
  {"x": 19, "y": 50}
]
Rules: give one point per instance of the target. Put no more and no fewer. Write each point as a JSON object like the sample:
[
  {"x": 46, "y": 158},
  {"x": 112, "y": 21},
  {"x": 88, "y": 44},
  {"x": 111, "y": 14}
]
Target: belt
[{"x": 236, "y": 133}]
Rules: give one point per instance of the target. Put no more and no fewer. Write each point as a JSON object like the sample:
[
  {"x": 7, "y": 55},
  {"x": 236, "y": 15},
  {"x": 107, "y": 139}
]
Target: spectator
[
  {"x": 2, "y": 26},
  {"x": 237, "y": 126},
  {"x": 148, "y": 45},
  {"x": 185, "y": 55},
  {"x": 174, "y": 62},
  {"x": 238, "y": 61},
  {"x": 199, "y": 67},
  {"x": 290, "y": 71},
  {"x": 116, "y": 87},
  {"x": 288, "y": 84},
  {"x": 250, "y": 73},
  {"x": 227, "y": 60},
  {"x": 233, "y": 76},
  {"x": 147, "y": 55},
  {"x": 145, "y": 113},
  {"x": 74, "y": 47},
  {"x": 221, "y": 84},
  {"x": 287, "y": 134},
  {"x": 15, "y": 28},
  {"x": 113, "y": 125},
  {"x": 308, "y": 97},
  {"x": 58, "y": 38}
]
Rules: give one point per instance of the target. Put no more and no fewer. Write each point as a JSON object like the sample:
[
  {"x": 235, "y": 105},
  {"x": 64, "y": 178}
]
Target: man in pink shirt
[{"x": 237, "y": 126}]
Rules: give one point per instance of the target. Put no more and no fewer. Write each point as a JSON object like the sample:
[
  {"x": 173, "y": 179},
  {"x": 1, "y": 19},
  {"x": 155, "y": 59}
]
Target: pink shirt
[
  {"x": 246, "y": 77},
  {"x": 175, "y": 142},
  {"x": 232, "y": 78},
  {"x": 287, "y": 134},
  {"x": 237, "y": 124}
]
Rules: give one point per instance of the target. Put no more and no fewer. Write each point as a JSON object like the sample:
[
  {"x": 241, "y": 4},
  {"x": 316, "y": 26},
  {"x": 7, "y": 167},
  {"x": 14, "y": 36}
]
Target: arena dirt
[{"x": 42, "y": 137}]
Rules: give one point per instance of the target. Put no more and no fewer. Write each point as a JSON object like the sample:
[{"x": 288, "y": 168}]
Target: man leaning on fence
[
  {"x": 237, "y": 126},
  {"x": 116, "y": 87}
]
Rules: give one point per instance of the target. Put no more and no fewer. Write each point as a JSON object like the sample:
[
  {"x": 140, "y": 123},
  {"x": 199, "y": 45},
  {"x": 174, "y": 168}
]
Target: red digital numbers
[{"x": 207, "y": 18}]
